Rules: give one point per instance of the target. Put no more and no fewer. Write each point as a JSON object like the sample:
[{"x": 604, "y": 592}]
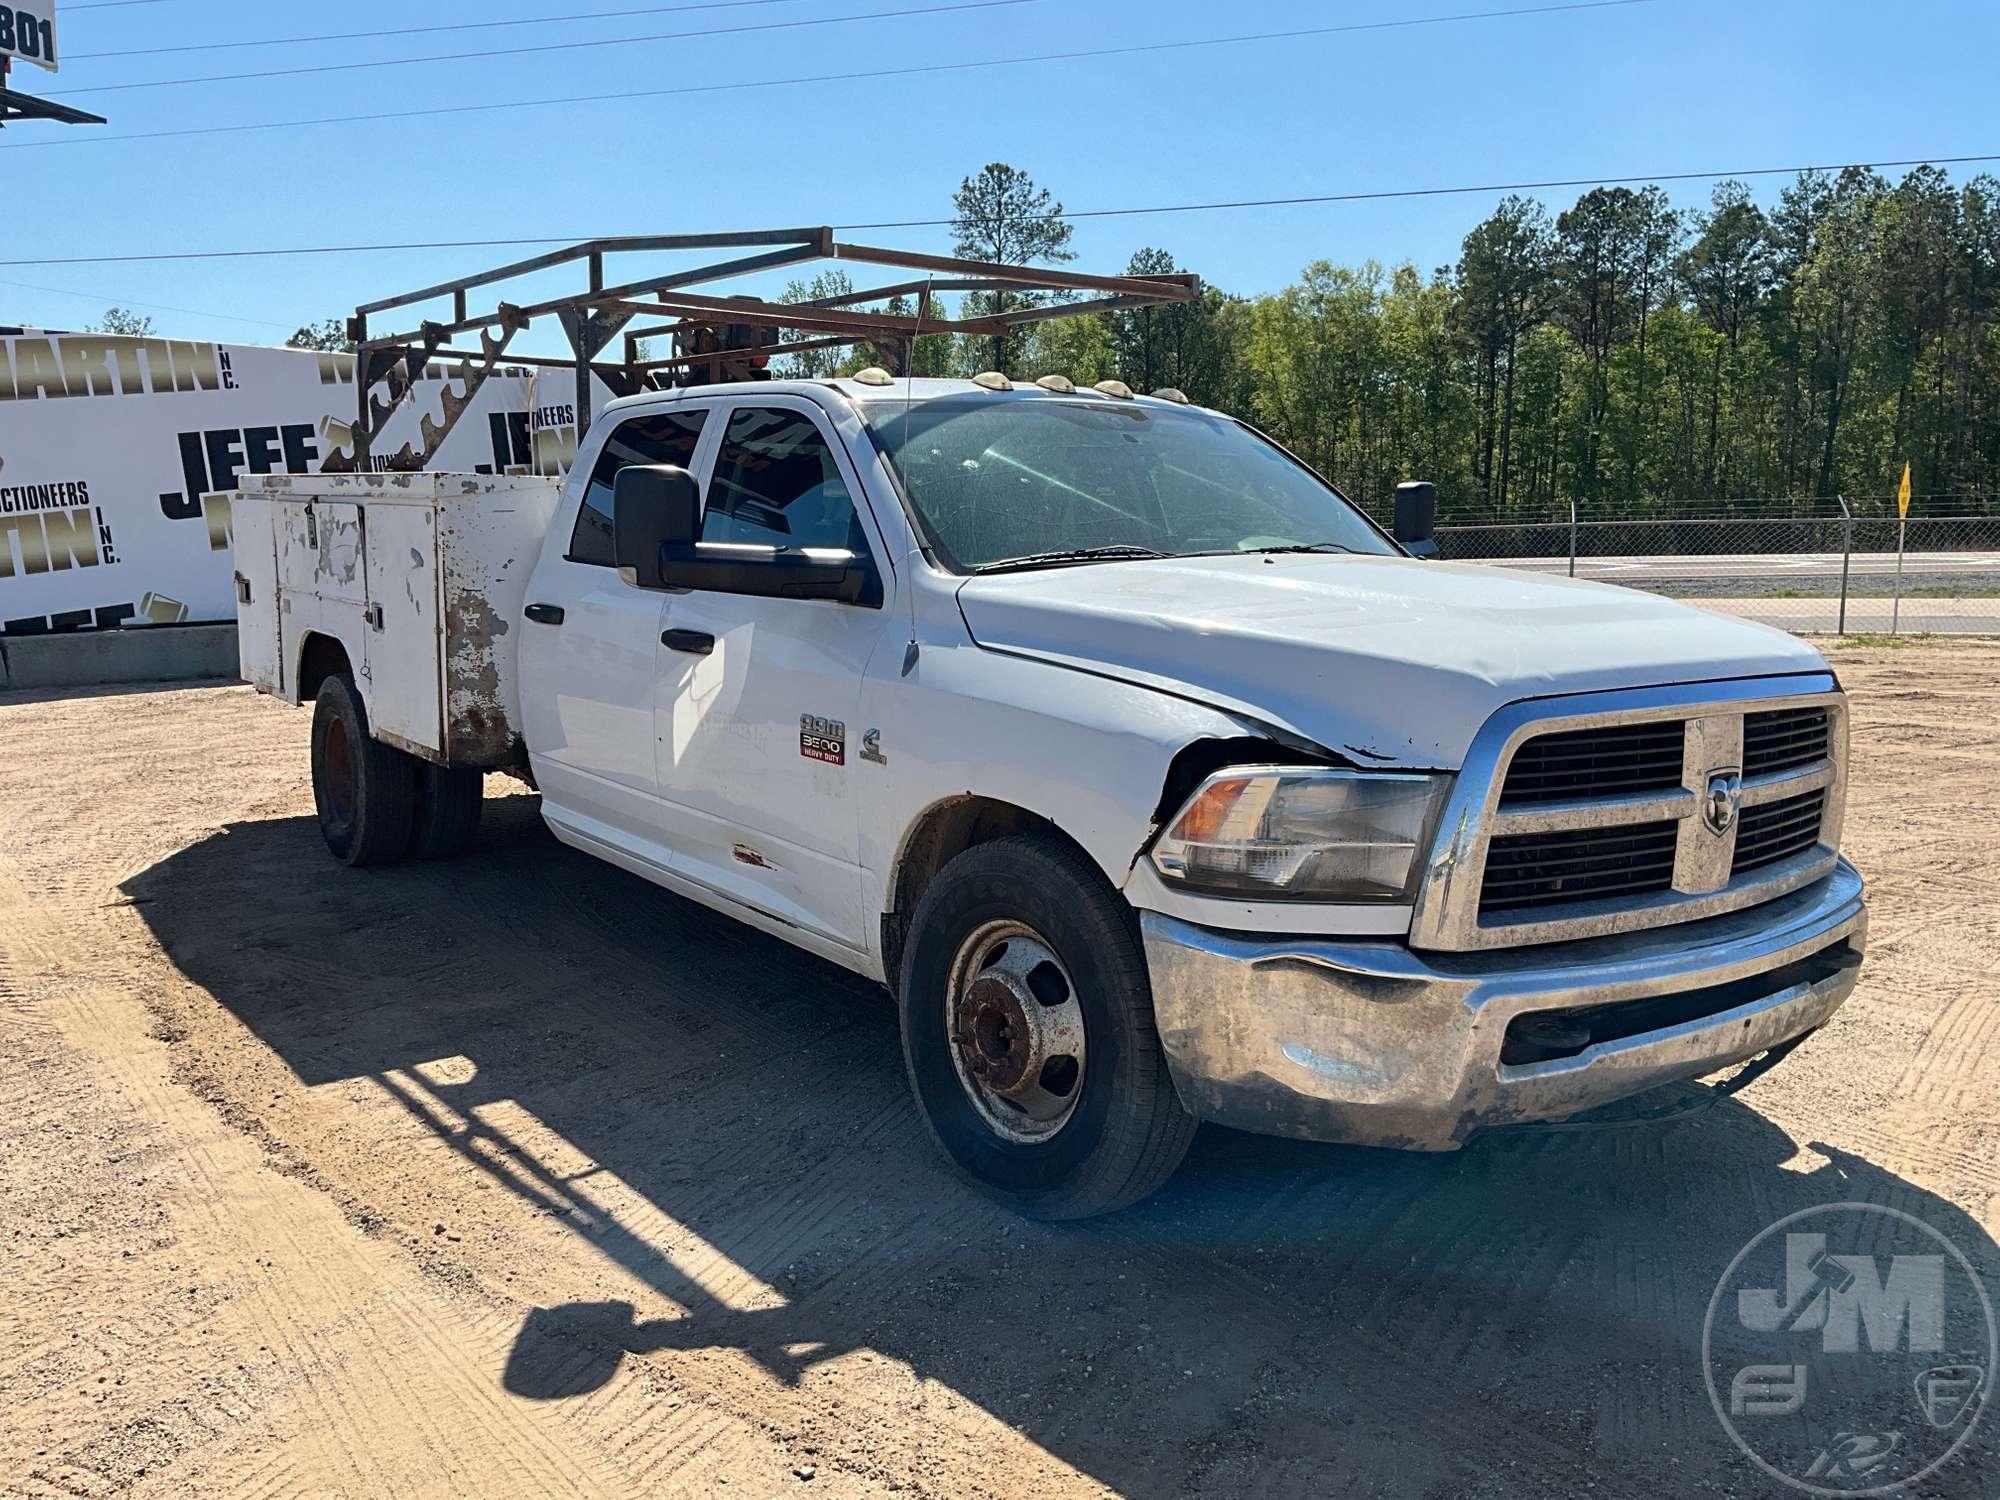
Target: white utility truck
[{"x": 1154, "y": 780}]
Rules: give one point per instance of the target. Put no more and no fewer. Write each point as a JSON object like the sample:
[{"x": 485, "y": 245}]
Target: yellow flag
[{"x": 1903, "y": 494}]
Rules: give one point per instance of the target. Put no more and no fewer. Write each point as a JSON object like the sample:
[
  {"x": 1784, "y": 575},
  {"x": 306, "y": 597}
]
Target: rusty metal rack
[{"x": 715, "y": 338}]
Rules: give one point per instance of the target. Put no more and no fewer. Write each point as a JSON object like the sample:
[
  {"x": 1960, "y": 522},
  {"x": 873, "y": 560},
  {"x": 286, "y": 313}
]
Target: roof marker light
[
  {"x": 1062, "y": 385},
  {"x": 874, "y": 375},
  {"x": 992, "y": 380},
  {"x": 1169, "y": 393},
  {"x": 1116, "y": 388}
]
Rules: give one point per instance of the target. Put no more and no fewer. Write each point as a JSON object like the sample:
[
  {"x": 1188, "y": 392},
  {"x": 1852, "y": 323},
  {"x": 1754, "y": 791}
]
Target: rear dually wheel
[{"x": 364, "y": 791}]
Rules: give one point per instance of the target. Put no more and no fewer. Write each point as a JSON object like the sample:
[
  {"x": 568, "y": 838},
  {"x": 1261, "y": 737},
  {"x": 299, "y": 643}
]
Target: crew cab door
[
  {"x": 758, "y": 750},
  {"x": 590, "y": 650}
]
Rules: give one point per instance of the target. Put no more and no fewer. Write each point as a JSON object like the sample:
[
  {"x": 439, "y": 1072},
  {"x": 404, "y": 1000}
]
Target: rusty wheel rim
[
  {"x": 1016, "y": 1031},
  {"x": 337, "y": 778}
]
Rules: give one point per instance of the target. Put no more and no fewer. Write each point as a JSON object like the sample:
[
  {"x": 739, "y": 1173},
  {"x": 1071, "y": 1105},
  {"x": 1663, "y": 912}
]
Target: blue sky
[{"x": 1663, "y": 86}]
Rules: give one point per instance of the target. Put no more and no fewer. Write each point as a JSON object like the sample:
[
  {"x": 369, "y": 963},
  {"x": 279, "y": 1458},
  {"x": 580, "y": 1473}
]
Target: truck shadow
[{"x": 1524, "y": 1315}]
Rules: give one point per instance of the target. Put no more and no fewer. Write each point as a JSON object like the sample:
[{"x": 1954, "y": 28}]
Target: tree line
[{"x": 1622, "y": 354}]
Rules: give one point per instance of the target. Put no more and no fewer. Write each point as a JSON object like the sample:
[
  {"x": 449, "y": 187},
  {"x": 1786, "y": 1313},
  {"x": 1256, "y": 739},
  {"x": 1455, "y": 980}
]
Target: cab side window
[
  {"x": 776, "y": 484},
  {"x": 658, "y": 437}
]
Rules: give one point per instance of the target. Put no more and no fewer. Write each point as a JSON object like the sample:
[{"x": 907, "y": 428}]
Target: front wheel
[{"x": 1028, "y": 1033}]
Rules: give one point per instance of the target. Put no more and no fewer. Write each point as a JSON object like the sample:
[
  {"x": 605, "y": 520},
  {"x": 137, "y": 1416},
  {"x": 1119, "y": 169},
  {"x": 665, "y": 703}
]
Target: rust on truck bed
[
  {"x": 477, "y": 730},
  {"x": 419, "y": 578}
]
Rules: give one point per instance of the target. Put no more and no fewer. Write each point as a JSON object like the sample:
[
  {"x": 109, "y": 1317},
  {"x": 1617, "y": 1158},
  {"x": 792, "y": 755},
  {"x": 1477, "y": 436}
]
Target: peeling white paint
[{"x": 435, "y": 555}]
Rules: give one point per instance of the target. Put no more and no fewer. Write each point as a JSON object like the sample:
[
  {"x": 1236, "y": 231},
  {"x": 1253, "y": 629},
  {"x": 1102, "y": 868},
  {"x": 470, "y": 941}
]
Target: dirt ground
[{"x": 515, "y": 1175}]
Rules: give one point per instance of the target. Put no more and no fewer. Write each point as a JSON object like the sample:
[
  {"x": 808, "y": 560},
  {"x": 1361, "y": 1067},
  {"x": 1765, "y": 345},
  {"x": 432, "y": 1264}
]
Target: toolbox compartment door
[
  {"x": 259, "y": 660},
  {"x": 320, "y": 554},
  {"x": 405, "y": 699},
  {"x": 322, "y": 583}
]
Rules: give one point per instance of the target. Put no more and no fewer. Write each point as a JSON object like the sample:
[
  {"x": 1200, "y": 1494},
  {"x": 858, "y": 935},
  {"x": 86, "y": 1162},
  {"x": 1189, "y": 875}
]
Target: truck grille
[
  {"x": 1782, "y": 739},
  {"x": 1778, "y": 830},
  {"x": 1584, "y": 864},
  {"x": 1634, "y": 810},
  {"x": 1595, "y": 763}
]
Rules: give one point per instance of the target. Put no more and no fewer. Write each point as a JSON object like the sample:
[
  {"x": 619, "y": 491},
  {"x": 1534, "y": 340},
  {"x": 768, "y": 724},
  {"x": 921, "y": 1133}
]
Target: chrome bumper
[{"x": 1374, "y": 1043}]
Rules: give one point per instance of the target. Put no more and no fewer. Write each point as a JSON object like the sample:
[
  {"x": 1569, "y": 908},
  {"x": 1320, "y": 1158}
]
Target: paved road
[
  {"x": 1871, "y": 616},
  {"x": 1765, "y": 586},
  {"x": 1748, "y": 574}
]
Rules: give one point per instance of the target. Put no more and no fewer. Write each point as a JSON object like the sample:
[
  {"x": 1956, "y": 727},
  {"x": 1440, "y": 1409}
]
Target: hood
[{"x": 1384, "y": 660}]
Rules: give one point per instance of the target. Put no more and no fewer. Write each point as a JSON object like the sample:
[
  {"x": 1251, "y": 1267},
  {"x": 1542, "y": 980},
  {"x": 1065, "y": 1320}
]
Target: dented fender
[
  {"x": 1091, "y": 755},
  {"x": 1087, "y": 755}
]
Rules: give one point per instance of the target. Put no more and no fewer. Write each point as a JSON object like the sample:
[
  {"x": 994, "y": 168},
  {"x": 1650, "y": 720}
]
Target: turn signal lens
[
  {"x": 1300, "y": 835},
  {"x": 1223, "y": 805}
]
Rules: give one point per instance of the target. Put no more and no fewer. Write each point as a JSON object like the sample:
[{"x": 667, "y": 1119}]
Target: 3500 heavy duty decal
[{"x": 823, "y": 739}]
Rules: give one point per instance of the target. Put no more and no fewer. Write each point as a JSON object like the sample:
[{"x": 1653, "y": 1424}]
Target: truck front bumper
[{"x": 1371, "y": 1042}]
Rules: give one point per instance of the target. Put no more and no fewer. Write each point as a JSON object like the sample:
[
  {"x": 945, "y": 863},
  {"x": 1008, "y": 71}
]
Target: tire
[
  {"x": 447, "y": 813},
  {"x": 1125, "y": 1131},
  {"x": 365, "y": 792}
]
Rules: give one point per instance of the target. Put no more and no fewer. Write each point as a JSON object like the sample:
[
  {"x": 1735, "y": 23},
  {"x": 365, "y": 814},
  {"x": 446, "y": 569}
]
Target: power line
[
  {"x": 1444, "y": 192},
  {"x": 354, "y": 36},
  {"x": 120, "y": 260},
  {"x": 913, "y": 70},
  {"x": 131, "y": 303},
  {"x": 610, "y": 41},
  {"x": 1088, "y": 213},
  {"x": 70, "y": 10}
]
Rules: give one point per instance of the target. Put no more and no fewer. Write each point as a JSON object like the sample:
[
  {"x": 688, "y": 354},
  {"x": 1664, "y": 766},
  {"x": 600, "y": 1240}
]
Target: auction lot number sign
[{"x": 29, "y": 32}]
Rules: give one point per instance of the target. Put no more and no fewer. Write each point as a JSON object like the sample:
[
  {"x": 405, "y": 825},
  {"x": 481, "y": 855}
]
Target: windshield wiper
[
  {"x": 1110, "y": 553},
  {"x": 1307, "y": 547}
]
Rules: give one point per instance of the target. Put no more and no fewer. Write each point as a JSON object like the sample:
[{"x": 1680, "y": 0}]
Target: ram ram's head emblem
[{"x": 1722, "y": 801}]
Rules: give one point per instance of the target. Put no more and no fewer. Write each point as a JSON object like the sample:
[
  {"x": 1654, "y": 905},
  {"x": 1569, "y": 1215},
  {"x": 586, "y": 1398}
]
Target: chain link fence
[{"x": 1814, "y": 567}]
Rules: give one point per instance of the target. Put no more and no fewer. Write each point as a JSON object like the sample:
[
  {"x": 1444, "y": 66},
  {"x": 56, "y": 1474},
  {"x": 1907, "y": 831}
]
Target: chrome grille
[
  {"x": 1547, "y": 869},
  {"x": 1595, "y": 763},
  {"x": 1616, "y": 811},
  {"x": 1778, "y": 830},
  {"x": 1783, "y": 739}
]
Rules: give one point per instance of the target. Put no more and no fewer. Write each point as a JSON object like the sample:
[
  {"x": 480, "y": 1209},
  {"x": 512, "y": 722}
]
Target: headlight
[{"x": 1287, "y": 834}]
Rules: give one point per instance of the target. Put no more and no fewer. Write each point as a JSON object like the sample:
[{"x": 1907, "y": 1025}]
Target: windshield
[{"x": 1001, "y": 481}]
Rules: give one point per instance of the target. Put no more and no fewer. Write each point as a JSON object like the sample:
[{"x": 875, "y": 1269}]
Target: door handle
[
  {"x": 700, "y": 642},
  {"x": 544, "y": 614}
]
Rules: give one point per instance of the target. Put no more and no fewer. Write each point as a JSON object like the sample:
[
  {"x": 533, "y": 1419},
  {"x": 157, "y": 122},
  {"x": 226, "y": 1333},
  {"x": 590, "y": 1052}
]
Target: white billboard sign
[
  {"x": 28, "y": 32},
  {"x": 119, "y": 458}
]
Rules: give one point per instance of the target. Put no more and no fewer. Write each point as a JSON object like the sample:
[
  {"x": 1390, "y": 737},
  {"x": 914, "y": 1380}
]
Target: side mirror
[
  {"x": 653, "y": 506},
  {"x": 1416, "y": 517},
  {"x": 774, "y": 572}
]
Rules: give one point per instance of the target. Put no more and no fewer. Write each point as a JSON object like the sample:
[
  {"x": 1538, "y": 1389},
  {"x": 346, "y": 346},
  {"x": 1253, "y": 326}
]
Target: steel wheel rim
[
  {"x": 1016, "y": 1032},
  {"x": 337, "y": 768}
]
